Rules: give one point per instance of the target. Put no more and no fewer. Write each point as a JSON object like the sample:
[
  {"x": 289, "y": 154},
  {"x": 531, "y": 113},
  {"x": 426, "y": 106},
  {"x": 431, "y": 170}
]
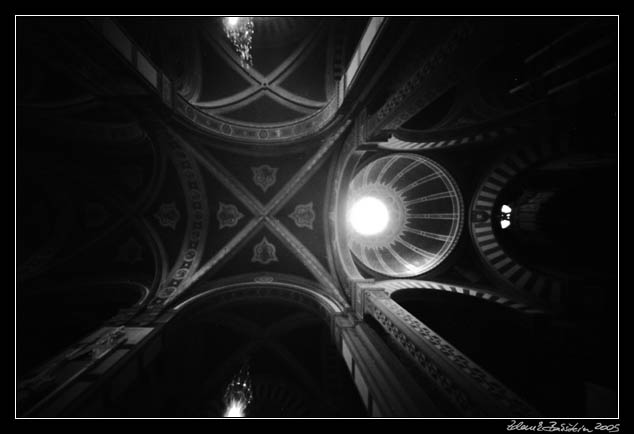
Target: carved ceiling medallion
[
  {"x": 264, "y": 176},
  {"x": 304, "y": 216},
  {"x": 168, "y": 215},
  {"x": 264, "y": 252},
  {"x": 228, "y": 215}
]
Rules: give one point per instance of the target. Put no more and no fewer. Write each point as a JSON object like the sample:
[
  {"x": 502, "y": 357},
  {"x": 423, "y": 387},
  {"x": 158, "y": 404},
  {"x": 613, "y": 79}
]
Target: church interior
[{"x": 316, "y": 217}]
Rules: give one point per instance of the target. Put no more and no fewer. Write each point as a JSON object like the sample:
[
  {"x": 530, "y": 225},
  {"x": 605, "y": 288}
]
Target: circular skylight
[
  {"x": 405, "y": 214},
  {"x": 369, "y": 216}
]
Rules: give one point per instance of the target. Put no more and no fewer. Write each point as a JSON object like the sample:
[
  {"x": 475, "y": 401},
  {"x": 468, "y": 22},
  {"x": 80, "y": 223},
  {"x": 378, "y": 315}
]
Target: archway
[{"x": 281, "y": 332}]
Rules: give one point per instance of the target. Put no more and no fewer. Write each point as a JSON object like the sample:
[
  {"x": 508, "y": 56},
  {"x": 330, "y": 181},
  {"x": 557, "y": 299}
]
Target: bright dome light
[
  {"x": 233, "y": 21},
  {"x": 369, "y": 216},
  {"x": 506, "y": 209},
  {"x": 505, "y": 224}
]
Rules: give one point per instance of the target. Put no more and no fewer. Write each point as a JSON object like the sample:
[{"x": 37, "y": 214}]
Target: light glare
[
  {"x": 233, "y": 21},
  {"x": 369, "y": 216},
  {"x": 235, "y": 409}
]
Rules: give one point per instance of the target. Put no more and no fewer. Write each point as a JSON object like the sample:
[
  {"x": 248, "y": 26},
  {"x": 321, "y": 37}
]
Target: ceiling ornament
[
  {"x": 304, "y": 216},
  {"x": 264, "y": 176},
  {"x": 239, "y": 31},
  {"x": 228, "y": 215},
  {"x": 168, "y": 215},
  {"x": 264, "y": 252}
]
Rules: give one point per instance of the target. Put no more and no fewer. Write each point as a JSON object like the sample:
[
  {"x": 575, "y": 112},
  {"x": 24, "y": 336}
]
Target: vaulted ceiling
[
  {"x": 297, "y": 62},
  {"x": 246, "y": 213},
  {"x": 114, "y": 189},
  {"x": 150, "y": 157}
]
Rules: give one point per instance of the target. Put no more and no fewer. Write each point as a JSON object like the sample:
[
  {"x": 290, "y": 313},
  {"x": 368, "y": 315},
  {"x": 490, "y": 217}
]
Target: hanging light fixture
[
  {"x": 238, "y": 394},
  {"x": 239, "y": 30}
]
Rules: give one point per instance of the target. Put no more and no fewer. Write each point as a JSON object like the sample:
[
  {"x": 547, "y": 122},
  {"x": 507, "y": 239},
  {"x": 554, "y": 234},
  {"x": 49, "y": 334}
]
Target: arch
[
  {"x": 343, "y": 261},
  {"x": 189, "y": 172},
  {"x": 413, "y": 141},
  {"x": 510, "y": 346},
  {"x": 275, "y": 323},
  {"x": 270, "y": 286},
  {"x": 261, "y": 338},
  {"x": 502, "y": 266},
  {"x": 516, "y": 303}
]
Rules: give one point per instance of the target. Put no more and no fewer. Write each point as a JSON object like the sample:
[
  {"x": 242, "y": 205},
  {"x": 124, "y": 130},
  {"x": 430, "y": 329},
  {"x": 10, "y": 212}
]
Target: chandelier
[
  {"x": 238, "y": 394},
  {"x": 239, "y": 30}
]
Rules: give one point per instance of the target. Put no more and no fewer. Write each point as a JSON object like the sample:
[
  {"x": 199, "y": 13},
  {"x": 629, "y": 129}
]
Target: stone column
[
  {"x": 462, "y": 386},
  {"x": 384, "y": 384}
]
